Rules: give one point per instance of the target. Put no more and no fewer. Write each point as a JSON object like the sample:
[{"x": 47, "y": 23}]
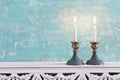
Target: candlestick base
[
  {"x": 94, "y": 59},
  {"x": 75, "y": 59}
]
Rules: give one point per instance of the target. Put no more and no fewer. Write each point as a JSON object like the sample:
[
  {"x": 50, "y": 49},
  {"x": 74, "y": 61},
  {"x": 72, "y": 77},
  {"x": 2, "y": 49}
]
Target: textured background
[{"x": 41, "y": 30}]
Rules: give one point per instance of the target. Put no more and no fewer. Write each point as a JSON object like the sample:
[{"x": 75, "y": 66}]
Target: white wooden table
[{"x": 58, "y": 71}]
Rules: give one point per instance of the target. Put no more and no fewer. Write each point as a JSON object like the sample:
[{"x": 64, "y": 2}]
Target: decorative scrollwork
[{"x": 60, "y": 76}]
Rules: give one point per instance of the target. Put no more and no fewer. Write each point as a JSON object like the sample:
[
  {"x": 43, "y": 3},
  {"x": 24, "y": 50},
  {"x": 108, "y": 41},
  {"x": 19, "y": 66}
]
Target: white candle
[
  {"x": 95, "y": 29},
  {"x": 75, "y": 28}
]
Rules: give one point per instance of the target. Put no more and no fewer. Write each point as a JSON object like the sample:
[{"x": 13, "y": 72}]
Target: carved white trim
[
  {"x": 58, "y": 71},
  {"x": 58, "y": 76}
]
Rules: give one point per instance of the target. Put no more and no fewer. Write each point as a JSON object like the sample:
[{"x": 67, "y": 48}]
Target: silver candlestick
[
  {"x": 75, "y": 59},
  {"x": 94, "y": 59}
]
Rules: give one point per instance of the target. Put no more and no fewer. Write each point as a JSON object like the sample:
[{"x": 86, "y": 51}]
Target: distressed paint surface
[{"x": 41, "y": 30}]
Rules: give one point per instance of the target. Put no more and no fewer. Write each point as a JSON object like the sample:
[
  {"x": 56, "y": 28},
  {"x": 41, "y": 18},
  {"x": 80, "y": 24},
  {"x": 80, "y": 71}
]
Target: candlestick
[
  {"x": 75, "y": 59},
  {"x": 94, "y": 59},
  {"x": 75, "y": 28},
  {"x": 95, "y": 29}
]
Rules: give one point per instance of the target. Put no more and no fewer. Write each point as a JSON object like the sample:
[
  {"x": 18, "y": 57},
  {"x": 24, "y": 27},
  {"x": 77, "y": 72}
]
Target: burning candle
[
  {"x": 75, "y": 28},
  {"x": 95, "y": 29}
]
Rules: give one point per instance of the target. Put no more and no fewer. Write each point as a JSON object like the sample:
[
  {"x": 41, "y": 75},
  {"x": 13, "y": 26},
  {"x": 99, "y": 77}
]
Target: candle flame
[
  {"x": 75, "y": 19},
  {"x": 94, "y": 20}
]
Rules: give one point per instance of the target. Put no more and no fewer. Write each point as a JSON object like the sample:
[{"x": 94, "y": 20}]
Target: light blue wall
[{"x": 41, "y": 30}]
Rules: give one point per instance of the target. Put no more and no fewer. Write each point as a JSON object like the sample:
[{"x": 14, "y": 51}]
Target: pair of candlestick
[
  {"x": 94, "y": 45},
  {"x": 94, "y": 59}
]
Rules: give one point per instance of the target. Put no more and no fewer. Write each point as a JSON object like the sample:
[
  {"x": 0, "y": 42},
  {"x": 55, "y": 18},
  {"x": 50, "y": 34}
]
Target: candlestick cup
[{"x": 75, "y": 59}]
